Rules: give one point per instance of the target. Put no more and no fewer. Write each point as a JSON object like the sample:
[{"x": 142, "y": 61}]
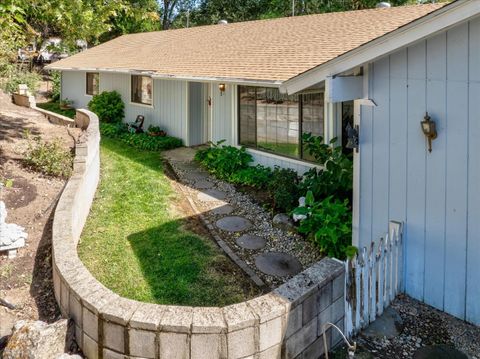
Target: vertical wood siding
[
  {"x": 196, "y": 113},
  {"x": 436, "y": 194},
  {"x": 222, "y": 112},
  {"x": 169, "y": 108}
]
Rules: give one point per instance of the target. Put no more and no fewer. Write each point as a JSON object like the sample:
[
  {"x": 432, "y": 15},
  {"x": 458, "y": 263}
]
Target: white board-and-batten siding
[
  {"x": 436, "y": 194},
  {"x": 169, "y": 108}
]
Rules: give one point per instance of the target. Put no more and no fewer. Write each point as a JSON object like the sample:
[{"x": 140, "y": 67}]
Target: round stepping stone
[
  {"x": 203, "y": 184},
  {"x": 225, "y": 209},
  {"x": 278, "y": 264},
  {"x": 196, "y": 176},
  {"x": 250, "y": 241},
  {"x": 211, "y": 195},
  {"x": 233, "y": 224}
]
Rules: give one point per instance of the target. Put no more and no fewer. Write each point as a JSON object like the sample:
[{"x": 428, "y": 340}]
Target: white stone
[{"x": 12, "y": 236}]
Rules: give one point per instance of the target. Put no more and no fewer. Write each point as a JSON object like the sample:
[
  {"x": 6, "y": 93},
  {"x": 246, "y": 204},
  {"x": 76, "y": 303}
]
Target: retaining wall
[{"x": 286, "y": 323}]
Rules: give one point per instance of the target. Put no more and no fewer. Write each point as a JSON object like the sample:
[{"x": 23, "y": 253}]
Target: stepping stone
[
  {"x": 388, "y": 325},
  {"x": 250, "y": 241},
  {"x": 440, "y": 351},
  {"x": 196, "y": 176},
  {"x": 203, "y": 184},
  {"x": 211, "y": 195},
  {"x": 278, "y": 264},
  {"x": 233, "y": 224},
  {"x": 225, "y": 209}
]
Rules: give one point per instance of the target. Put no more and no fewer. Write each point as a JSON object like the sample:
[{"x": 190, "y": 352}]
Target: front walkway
[{"x": 269, "y": 254}]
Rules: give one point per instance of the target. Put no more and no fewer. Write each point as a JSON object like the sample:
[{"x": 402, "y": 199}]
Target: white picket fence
[{"x": 374, "y": 278}]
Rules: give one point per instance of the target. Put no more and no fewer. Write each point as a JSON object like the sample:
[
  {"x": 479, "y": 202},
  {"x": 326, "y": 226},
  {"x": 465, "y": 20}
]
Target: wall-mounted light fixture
[
  {"x": 352, "y": 137},
  {"x": 429, "y": 130},
  {"x": 222, "y": 88}
]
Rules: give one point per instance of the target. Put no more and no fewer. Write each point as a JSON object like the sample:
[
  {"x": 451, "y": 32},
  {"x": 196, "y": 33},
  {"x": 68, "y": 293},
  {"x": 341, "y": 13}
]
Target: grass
[
  {"x": 135, "y": 245},
  {"x": 55, "y": 107}
]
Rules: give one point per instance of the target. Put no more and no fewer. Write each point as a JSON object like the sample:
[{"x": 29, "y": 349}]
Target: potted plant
[
  {"x": 66, "y": 104},
  {"x": 156, "y": 131}
]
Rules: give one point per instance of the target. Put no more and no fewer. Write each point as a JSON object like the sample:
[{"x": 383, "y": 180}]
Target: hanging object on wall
[
  {"x": 429, "y": 130},
  {"x": 222, "y": 88},
  {"x": 352, "y": 137}
]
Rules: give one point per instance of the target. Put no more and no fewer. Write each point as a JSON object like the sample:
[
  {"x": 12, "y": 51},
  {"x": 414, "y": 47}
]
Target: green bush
[
  {"x": 139, "y": 140},
  {"x": 109, "y": 106},
  {"x": 328, "y": 224},
  {"x": 56, "y": 78},
  {"x": 14, "y": 75},
  {"x": 283, "y": 187},
  {"x": 223, "y": 161},
  {"x": 50, "y": 158},
  {"x": 255, "y": 176}
]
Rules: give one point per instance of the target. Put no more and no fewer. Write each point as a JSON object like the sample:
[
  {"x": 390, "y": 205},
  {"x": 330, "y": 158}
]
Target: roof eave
[
  {"x": 433, "y": 22},
  {"x": 157, "y": 75}
]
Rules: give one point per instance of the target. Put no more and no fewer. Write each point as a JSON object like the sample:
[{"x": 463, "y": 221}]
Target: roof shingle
[{"x": 264, "y": 50}]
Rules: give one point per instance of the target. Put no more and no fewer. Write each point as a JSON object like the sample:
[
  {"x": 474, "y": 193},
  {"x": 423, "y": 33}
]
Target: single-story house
[{"x": 262, "y": 84}]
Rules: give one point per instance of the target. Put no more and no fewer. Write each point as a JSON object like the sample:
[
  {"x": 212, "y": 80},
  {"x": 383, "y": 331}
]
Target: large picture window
[
  {"x": 275, "y": 122},
  {"x": 141, "y": 89},
  {"x": 92, "y": 83}
]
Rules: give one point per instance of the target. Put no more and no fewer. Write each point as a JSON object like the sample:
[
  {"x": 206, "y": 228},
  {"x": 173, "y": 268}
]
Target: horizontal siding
[{"x": 433, "y": 193}]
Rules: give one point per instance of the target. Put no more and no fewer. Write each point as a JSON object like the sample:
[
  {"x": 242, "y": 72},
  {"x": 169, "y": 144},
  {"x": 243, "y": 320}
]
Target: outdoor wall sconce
[
  {"x": 222, "y": 88},
  {"x": 429, "y": 130},
  {"x": 352, "y": 137}
]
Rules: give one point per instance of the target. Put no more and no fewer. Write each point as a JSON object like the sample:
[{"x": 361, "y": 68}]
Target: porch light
[
  {"x": 352, "y": 137},
  {"x": 429, "y": 130},
  {"x": 222, "y": 88}
]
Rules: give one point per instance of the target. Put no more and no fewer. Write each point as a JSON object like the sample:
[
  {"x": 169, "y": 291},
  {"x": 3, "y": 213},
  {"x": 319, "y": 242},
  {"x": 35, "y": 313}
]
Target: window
[
  {"x": 274, "y": 122},
  {"x": 92, "y": 83},
  {"x": 141, "y": 89}
]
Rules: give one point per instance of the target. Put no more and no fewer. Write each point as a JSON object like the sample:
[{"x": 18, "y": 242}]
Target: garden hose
[{"x": 351, "y": 347}]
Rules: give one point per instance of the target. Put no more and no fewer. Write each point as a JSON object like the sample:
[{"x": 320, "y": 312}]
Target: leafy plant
[
  {"x": 255, "y": 176},
  {"x": 328, "y": 224},
  {"x": 336, "y": 176},
  {"x": 109, "y": 106},
  {"x": 55, "y": 107},
  {"x": 284, "y": 188},
  {"x": 223, "y": 161},
  {"x": 50, "y": 158},
  {"x": 13, "y": 75},
  {"x": 139, "y": 140},
  {"x": 56, "y": 78}
]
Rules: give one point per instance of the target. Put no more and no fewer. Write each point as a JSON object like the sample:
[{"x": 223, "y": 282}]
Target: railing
[{"x": 374, "y": 278}]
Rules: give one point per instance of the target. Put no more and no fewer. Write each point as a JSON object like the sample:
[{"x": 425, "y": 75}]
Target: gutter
[{"x": 155, "y": 75}]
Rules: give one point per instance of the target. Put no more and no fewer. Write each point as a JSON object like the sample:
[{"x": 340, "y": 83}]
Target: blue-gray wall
[{"x": 436, "y": 194}]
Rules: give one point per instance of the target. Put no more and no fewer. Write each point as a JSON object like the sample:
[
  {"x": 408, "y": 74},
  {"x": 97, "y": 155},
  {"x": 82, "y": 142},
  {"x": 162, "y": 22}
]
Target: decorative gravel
[{"x": 236, "y": 203}]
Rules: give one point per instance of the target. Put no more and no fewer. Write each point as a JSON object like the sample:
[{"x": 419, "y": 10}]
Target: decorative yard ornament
[
  {"x": 12, "y": 236},
  {"x": 429, "y": 130}
]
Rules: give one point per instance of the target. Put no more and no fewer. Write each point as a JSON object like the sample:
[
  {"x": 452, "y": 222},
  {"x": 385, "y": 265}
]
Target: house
[{"x": 262, "y": 84}]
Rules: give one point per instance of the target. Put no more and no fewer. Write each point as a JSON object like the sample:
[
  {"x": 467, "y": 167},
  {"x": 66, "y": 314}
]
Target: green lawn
[
  {"x": 136, "y": 246},
  {"x": 55, "y": 107}
]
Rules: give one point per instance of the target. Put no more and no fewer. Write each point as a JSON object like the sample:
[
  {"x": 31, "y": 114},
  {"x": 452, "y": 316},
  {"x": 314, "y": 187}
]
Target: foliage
[
  {"x": 154, "y": 129},
  {"x": 139, "y": 140},
  {"x": 336, "y": 176},
  {"x": 50, "y": 158},
  {"x": 55, "y": 107},
  {"x": 109, "y": 106},
  {"x": 284, "y": 188},
  {"x": 15, "y": 74},
  {"x": 254, "y": 176},
  {"x": 222, "y": 160},
  {"x": 136, "y": 243},
  {"x": 328, "y": 224},
  {"x": 56, "y": 78}
]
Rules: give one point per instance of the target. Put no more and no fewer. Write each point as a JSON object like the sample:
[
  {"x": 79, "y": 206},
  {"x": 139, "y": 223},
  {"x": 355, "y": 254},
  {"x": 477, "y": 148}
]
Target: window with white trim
[
  {"x": 92, "y": 83},
  {"x": 141, "y": 89}
]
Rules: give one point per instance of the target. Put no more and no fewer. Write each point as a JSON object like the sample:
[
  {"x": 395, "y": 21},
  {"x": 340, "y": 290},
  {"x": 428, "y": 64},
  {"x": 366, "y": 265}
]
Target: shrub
[
  {"x": 139, "y": 140},
  {"x": 56, "y": 78},
  {"x": 109, "y": 106},
  {"x": 50, "y": 158},
  {"x": 328, "y": 224},
  {"x": 255, "y": 176},
  {"x": 14, "y": 75},
  {"x": 223, "y": 161},
  {"x": 283, "y": 186}
]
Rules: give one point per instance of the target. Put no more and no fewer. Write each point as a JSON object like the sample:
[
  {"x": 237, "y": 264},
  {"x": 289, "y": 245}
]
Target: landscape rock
[
  {"x": 283, "y": 221},
  {"x": 37, "y": 340},
  {"x": 7, "y": 320},
  {"x": 69, "y": 356}
]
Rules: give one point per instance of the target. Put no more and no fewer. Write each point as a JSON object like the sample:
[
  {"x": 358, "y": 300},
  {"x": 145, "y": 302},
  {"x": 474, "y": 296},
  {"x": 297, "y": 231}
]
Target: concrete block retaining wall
[{"x": 286, "y": 323}]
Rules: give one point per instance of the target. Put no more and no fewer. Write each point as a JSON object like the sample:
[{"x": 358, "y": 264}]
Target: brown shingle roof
[{"x": 270, "y": 50}]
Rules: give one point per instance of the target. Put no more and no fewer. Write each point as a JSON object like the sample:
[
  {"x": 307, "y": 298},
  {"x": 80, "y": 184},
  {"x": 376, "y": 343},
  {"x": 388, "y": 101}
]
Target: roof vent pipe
[
  {"x": 383, "y": 5},
  {"x": 222, "y": 22}
]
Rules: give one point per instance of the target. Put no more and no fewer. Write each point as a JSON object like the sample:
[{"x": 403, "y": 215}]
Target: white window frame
[
  {"x": 131, "y": 94},
  {"x": 86, "y": 83}
]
